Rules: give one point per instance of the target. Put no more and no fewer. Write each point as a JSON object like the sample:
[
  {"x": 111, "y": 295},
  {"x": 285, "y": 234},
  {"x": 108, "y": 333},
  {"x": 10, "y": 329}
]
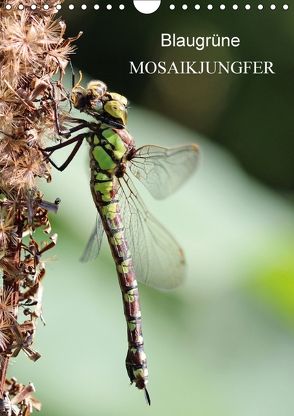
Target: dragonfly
[{"x": 141, "y": 247}]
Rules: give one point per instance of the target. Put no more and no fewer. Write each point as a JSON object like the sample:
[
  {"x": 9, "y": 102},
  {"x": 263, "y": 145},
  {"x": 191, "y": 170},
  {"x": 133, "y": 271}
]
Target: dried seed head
[
  {"x": 5, "y": 335},
  {"x": 20, "y": 164},
  {"x": 32, "y": 50},
  {"x": 7, "y": 304},
  {"x": 7, "y": 228}
]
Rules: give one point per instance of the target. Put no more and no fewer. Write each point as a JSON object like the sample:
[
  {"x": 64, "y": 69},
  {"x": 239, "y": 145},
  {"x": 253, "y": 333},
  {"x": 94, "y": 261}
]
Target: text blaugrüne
[{"x": 199, "y": 43}]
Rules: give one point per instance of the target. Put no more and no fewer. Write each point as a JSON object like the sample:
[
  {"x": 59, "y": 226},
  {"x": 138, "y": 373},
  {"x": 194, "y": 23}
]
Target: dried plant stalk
[{"x": 32, "y": 51}]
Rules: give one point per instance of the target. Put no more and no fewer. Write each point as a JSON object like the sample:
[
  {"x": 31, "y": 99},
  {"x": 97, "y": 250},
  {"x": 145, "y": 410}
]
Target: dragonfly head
[
  {"x": 117, "y": 97},
  {"x": 116, "y": 108},
  {"x": 107, "y": 107}
]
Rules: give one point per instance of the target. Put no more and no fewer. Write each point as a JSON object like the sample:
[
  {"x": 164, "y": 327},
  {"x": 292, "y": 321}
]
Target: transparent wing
[
  {"x": 162, "y": 171},
  {"x": 93, "y": 246},
  {"x": 158, "y": 259}
]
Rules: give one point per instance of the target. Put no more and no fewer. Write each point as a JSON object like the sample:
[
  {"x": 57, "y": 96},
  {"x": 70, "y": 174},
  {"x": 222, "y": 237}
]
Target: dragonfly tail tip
[{"x": 147, "y": 397}]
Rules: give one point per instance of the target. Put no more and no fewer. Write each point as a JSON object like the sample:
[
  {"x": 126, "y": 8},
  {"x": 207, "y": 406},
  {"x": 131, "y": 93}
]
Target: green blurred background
[{"x": 223, "y": 344}]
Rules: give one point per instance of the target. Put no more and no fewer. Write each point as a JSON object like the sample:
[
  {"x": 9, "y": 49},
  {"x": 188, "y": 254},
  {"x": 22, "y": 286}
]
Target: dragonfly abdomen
[
  {"x": 136, "y": 362},
  {"x": 103, "y": 186}
]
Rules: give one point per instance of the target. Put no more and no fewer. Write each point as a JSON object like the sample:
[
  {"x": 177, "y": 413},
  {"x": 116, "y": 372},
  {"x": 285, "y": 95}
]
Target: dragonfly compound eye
[
  {"x": 96, "y": 89},
  {"x": 116, "y": 110},
  {"x": 117, "y": 97}
]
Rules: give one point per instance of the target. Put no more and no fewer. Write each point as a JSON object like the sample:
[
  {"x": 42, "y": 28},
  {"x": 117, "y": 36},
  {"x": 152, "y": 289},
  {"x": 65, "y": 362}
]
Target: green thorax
[
  {"x": 107, "y": 150},
  {"x": 107, "y": 154}
]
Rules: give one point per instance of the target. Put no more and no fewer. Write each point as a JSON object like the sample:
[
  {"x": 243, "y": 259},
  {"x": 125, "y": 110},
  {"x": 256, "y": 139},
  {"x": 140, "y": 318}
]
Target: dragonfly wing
[
  {"x": 158, "y": 259},
  {"x": 162, "y": 171},
  {"x": 93, "y": 246}
]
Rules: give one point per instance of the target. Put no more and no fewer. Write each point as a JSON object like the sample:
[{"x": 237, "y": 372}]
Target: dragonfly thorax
[{"x": 107, "y": 150}]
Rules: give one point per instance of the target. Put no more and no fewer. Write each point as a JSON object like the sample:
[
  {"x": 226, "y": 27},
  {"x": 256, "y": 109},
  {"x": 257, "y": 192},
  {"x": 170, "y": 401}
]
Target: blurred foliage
[{"x": 273, "y": 285}]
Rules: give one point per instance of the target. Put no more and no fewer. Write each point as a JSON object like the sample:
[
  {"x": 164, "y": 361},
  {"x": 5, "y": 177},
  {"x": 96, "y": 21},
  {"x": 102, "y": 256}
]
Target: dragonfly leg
[
  {"x": 67, "y": 133},
  {"x": 79, "y": 140},
  {"x": 58, "y": 146},
  {"x": 56, "y": 117}
]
